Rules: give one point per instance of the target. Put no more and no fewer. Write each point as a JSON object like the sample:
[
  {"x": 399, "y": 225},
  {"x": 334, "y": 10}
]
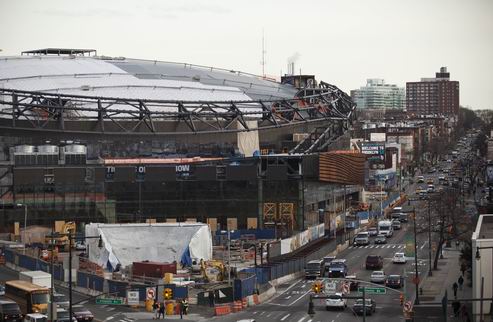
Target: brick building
[{"x": 437, "y": 95}]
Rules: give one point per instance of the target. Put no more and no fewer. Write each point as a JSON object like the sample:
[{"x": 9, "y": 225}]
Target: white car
[
  {"x": 378, "y": 277},
  {"x": 335, "y": 301},
  {"x": 399, "y": 258},
  {"x": 80, "y": 246}
]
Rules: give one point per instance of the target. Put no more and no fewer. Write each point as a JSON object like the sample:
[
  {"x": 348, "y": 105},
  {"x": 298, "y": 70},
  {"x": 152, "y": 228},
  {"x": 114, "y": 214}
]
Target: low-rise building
[{"x": 482, "y": 266}]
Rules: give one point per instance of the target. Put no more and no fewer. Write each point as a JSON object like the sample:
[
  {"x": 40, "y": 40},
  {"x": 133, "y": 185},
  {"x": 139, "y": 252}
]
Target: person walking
[
  {"x": 455, "y": 287},
  {"x": 460, "y": 281},
  {"x": 211, "y": 298},
  {"x": 463, "y": 268},
  {"x": 185, "y": 306},
  {"x": 162, "y": 308},
  {"x": 155, "y": 308},
  {"x": 181, "y": 309}
]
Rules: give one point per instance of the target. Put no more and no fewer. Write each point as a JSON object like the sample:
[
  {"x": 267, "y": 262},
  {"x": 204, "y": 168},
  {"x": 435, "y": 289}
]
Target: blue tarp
[{"x": 186, "y": 260}]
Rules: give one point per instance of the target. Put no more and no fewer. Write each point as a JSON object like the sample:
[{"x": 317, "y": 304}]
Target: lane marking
[
  {"x": 287, "y": 297},
  {"x": 366, "y": 246},
  {"x": 301, "y": 320},
  {"x": 255, "y": 312},
  {"x": 268, "y": 315},
  {"x": 299, "y": 298},
  {"x": 285, "y": 317},
  {"x": 84, "y": 302},
  {"x": 109, "y": 318},
  {"x": 110, "y": 309}
]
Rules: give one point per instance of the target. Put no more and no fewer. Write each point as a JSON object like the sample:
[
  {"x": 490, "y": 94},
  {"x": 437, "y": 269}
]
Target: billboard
[
  {"x": 373, "y": 150},
  {"x": 377, "y": 137}
]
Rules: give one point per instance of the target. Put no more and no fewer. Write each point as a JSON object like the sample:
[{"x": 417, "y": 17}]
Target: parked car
[
  {"x": 370, "y": 306},
  {"x": 378, "y": 277},
  {"x": 394, "y": 281},
  {"x": 335, "y": 301},
  {"x": 374, "y": 262},
  {"x": 380, "y": 239},
  {"x": 399, "y": 258},
  {"x": 82, "y": 314},
  {"x": 372, "y": 231}
]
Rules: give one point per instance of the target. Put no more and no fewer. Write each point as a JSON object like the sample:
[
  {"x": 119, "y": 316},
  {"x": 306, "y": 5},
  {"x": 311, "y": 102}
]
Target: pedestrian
[
  {"x": 185, "y": 306},
  {"x": 456, "y": 307},
  {"x": 211, "y": 298},
  {"x": 463, "y": 268},
  {"x": 461, "y": 281},
  {"x": 455, "y": 287},
  {"x": 161, "y": 310},
  {"x": 457, "y": 243},
  {"x": 155, "y": 308},
  {"x": 180, "y": 303}
]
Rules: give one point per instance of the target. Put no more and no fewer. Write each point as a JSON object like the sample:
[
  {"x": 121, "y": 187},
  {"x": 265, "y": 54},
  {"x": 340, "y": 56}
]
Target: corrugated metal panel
[{"x": 342, "y": 167}]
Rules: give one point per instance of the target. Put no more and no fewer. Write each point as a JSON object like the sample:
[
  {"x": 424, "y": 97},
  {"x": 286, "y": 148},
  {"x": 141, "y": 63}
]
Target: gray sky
[{"x": 342, "y": 42}]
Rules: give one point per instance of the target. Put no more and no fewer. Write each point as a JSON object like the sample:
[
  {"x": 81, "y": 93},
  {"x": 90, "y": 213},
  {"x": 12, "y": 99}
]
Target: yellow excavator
[
  {"x": 62, "y": 241},
  {"x": 212, "y": 270}
]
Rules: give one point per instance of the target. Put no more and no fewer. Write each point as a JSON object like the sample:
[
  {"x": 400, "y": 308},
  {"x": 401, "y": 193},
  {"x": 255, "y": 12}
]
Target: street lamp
[{"x": 25, "y": 224}]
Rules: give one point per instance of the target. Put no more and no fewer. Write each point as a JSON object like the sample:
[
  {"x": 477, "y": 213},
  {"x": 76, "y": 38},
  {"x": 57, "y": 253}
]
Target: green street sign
[
  {"x": 104, "y": 301},
  {"x": 373, "y": 290}
]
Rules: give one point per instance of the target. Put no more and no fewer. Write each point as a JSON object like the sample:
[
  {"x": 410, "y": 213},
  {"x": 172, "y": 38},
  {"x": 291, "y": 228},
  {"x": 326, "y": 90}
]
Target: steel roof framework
[{"x": 41, "y": 111}]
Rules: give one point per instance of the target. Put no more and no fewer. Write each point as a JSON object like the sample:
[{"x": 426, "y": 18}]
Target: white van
[{"x": 385, "y": 228}]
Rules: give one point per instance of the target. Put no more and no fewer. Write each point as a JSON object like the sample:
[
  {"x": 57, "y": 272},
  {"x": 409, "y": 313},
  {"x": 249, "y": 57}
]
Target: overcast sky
[{"x": 342, "y": 42}]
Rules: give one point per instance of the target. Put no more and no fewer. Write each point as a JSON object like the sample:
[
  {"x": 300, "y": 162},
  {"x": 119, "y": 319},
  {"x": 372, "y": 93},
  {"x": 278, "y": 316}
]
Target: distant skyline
[{"x": 343, "y": 42}]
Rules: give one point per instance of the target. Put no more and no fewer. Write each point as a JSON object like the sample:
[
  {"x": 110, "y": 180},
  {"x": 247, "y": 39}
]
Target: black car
[
  {"x": 394, "y": 281},
  {"x": 374, "y": 262},
  {"x": 370, "y": 306},
  {"x": 82, "y": 314}
]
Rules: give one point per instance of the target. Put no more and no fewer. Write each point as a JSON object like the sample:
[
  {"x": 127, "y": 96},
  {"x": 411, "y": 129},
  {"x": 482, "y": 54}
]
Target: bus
[{"x": 31, "y": 298}]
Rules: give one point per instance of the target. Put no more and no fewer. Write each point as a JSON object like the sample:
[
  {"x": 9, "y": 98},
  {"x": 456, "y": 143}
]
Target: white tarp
[
  {"x": 162, "y": 242},
  {"x": 248, "y": 141}
]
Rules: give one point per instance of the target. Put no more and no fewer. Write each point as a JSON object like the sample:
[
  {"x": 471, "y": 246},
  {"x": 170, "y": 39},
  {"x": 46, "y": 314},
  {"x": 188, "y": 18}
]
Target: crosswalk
[{"x": 396, "y": 246}]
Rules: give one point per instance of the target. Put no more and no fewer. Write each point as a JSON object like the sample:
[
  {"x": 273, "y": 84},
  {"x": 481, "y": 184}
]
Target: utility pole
[{"x": 430, "y": 273}]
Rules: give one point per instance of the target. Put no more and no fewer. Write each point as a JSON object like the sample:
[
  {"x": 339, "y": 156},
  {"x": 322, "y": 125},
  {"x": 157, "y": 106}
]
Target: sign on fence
[{"x": 133, "y": 297}]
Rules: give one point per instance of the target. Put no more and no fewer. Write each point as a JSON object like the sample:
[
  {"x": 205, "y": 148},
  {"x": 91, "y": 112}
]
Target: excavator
[
  {"x": 212, "y": 270},
  {"x": 62, "y": 241}
]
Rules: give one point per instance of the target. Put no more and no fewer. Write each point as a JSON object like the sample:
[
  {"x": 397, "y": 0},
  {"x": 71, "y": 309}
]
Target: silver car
[{"x": 378, "y": 277}]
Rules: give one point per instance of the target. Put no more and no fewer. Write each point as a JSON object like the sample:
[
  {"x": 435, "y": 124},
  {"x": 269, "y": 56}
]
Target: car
[
  {"x": 421, "y": 179},
  {"x": 396, "y": 224},
  {"x": 80, "y": 246},
  {"x": 380, "y": 239},
  {"x": 335, "y": 301},
  {"x": 430, "y": 181},
  {"x": 372, "y": 231},
  {"x": 60, "y": 300},
  {"x": 374, "y": 262},
  {"x": 62, "y": 315},
  {"x": 82, "y": 314},
  {"x": 369, "y": 308},
  {"x": 399, "y": 258},
  {"x": 378, "y": 277},
  {"x": 362, "y": 238},
  {"x": 394, "y": 281},
  {"x": 2, "y": 290},
  {"x": 337, "y": 268}
]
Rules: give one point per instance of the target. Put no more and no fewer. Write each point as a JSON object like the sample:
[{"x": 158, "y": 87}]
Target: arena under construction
[{"x": 95, "y": 138}]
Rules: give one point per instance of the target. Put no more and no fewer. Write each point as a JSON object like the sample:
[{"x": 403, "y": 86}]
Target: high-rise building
[
  {"x": 378, "y": 95},
  {"x": 437, "y": 95}
]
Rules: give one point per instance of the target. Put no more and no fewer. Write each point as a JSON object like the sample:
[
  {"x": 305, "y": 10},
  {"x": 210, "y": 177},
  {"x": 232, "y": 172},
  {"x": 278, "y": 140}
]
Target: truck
[
  {"x": 39, "y": 278},
  {"x": 313, "y": 269},
  {"x": 337, "y": 268},
  {"x": 385, "y": 228}
]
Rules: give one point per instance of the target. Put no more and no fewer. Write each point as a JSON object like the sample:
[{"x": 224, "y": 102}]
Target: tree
[{"x": 450, "y": 219}]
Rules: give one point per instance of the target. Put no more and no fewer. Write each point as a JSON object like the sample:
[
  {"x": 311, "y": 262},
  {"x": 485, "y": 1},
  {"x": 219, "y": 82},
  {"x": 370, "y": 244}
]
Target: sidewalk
[{"x": 434, "y": 287}]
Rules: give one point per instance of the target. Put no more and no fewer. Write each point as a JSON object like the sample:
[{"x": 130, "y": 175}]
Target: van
[{"x": 10, "y": 311}]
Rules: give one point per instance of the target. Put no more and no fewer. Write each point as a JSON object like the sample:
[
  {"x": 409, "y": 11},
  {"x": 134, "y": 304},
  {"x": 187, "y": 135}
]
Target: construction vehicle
[
  {"x": 212, "y": 270},
  {"x": 62, "y": 240}
]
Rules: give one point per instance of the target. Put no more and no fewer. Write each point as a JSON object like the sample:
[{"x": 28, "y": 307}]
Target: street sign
[
  {"x": 113, "y": 301},
  {"x": 373, "y": 290},
  {"x": 330, "y": 286},
  {"x": 132, "y": 297},
  {"x": 408, "y": 306},
  {"x": 150, "y": 293}
]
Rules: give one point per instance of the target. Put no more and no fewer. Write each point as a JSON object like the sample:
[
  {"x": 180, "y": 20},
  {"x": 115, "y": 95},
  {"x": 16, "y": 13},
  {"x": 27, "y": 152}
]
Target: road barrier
[{"x": 222, "y": 310}]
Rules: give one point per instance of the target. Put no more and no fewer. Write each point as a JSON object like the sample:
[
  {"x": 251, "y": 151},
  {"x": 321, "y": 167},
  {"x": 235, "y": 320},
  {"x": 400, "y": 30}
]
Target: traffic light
[
  {"x": 168, "y": 294},
  {"x": 317, "y": 287}
]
